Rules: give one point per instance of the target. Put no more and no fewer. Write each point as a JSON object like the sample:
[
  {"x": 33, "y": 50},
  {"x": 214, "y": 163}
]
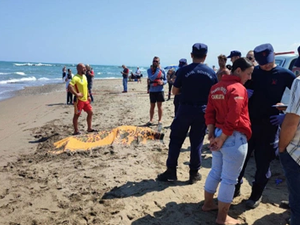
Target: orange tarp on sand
[{"x": 121, "y": 135}]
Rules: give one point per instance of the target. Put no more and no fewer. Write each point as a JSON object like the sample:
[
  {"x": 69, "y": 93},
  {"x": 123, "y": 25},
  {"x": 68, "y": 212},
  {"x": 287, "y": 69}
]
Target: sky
[{"x": 132, "y": 32}]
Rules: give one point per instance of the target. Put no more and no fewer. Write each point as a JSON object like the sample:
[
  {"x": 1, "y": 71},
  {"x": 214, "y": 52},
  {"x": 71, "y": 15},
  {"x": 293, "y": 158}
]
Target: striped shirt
[{"x": 294, "y": 107}]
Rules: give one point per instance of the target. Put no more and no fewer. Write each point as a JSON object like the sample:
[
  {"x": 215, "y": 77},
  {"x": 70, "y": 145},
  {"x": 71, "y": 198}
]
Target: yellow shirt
[{"x": 79, "y": 82}]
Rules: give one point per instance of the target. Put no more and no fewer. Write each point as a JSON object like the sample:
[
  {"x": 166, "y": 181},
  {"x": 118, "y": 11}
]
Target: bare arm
[
  {"x": 72, "y": 90},
  {"x": 288, "y": 130},
  {"x": 175, "y": 90}
]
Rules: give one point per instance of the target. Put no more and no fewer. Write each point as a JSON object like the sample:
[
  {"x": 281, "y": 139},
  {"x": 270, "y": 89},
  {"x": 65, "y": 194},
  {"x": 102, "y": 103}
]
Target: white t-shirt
[
  {"x": 294, "y": 107},
  {"x": 68, "y": 80}
]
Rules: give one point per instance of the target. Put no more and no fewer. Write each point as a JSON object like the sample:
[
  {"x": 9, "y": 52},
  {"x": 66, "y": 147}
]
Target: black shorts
[{"x": 157, "y": 97}]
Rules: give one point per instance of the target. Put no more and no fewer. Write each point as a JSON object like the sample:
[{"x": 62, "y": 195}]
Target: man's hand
[
  {"x": 79, "y": 95},
  {"x": 160, "y": 82},
  {"x": 277, "y": 120}
]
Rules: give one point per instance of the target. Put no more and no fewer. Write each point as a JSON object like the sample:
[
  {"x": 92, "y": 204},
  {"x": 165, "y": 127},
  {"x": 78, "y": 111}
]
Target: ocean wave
[
  {"x": 107, "y": 78},
  {"x": 32, "y": 64},
  {"x": 20, "y": 73},
  {"x": 22, "y": 80},
  {"x": 17, "y": 73}
]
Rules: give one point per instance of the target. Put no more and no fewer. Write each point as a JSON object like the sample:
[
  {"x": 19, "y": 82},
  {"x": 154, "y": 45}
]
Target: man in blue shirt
[
  {"x": 193, "y": 82},
  {"x": 264, "y": 90}
]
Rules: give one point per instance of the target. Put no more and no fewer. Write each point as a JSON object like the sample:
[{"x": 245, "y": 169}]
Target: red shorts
[{"x": 81, "y": 105}]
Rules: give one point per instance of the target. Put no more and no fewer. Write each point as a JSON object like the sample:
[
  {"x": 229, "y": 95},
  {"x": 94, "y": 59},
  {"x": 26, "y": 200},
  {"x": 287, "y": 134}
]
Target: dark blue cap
[
  {"x": 264, "y": 54},
  {"x": 182, "y": 62},
  {"x": 234, "y": 53},
  {"x": 299, "y": 50},
  {"x": 199, "y": 49}
]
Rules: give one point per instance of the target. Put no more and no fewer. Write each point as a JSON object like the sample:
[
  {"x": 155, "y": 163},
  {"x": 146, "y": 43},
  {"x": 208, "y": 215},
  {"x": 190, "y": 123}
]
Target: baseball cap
[
  {"x": 199, "y": 49},
  {"x": 264, "y": 54},
  {"x": 182, "y": 62},
  {"x": 234, "y": 53}
]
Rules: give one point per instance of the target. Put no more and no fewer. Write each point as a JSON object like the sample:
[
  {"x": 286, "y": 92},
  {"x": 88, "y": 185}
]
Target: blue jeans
[
  {"x": 125, "y": 80},
  {"x": 292, "y": 174},
  {"x": 227, "y": 164}
]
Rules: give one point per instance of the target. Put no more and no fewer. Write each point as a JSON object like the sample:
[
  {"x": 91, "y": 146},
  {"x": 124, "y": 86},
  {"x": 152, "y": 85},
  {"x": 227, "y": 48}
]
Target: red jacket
[{"x": 227, "y": 106}]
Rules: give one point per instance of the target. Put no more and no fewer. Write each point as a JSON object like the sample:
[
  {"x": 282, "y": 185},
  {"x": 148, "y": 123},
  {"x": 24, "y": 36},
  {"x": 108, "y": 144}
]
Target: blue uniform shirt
[
  {"x": 268, "y": 87},
  {"x": 195, "y": 81}
]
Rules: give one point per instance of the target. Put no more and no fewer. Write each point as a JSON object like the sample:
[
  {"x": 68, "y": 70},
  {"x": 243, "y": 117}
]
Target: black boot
[
  {"x": 237, "y": 191},
  {"x": 256, "y": 196},
  {"x": 194, "y": 176},
  {"x": 168, "y": 175}
]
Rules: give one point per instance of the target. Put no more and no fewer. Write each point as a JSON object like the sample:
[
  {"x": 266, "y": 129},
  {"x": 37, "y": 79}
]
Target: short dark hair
[
  {"x": 242, "y": 63},
  {"x": 222, "y": 57},
  {"x": 199, "y": 56}
]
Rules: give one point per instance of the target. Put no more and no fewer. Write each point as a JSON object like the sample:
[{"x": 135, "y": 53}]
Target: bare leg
[
  {"x": 152, "y": 107},
  {"x": 75, "y": 122},
  {"x": 209, "y": 203},
  {"x": 160, "y": 111},
  {"x": 89, "y": 120},
  {"x": 223, "y": 217}
]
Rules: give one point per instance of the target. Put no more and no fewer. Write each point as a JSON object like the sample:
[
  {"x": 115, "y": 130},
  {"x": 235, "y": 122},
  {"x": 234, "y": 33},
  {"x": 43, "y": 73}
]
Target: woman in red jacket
[{"x": 229, "y": 128}]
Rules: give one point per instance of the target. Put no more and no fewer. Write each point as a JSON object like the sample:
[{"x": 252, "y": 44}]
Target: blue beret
[
  {"x": 264, "y": 54},
  {"x": 199, "y": 49}
]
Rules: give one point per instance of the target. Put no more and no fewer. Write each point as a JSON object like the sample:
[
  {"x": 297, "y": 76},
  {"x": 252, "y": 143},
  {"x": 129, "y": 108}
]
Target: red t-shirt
[{"x": 227, "y": 106}]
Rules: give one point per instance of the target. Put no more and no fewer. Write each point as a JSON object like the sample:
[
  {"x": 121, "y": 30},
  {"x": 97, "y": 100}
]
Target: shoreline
[
  {"x": 112, "y": 184},
  {"x": 40, "y": 88}
]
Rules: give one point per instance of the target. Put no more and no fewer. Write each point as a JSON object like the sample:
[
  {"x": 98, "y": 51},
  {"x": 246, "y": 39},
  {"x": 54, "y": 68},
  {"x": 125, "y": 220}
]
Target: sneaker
[
  {"x": 159, "y": 127},
  {"x": 284, "y": 204},
  {"x": 253, "y": 204},
  {"x": 168, "y": 175},
  {"x": 194, "y": 176}
]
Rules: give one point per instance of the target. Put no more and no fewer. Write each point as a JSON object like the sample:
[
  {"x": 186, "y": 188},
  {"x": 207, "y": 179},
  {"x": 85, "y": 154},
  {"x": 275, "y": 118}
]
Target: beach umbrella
[{"x": 171, "y": 67}]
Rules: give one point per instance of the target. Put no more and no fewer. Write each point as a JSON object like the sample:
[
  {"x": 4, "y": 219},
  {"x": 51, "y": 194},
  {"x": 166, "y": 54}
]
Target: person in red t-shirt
[{"x": 229, "y": 126}]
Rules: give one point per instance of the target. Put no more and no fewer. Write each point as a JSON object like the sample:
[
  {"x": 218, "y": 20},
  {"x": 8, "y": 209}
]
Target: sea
[{"x": 16, "y": 76}]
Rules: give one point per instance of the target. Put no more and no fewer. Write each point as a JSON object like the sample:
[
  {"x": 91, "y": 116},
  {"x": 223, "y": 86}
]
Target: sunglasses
[
  {"x": 250, "y": 58},
  {"x": 156, "y": 61}
]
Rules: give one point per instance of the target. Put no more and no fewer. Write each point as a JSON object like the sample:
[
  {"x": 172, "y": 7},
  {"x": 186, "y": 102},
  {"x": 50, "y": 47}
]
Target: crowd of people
[{"x": 235, "y": 107}]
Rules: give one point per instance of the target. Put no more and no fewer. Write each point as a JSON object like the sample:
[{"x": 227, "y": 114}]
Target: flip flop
[
  {"x": 76, "y": 133},
  {"x": 92, "y": 130},
  {"x": 149, "y": 124}
]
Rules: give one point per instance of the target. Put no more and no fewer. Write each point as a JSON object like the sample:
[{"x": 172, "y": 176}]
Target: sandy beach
[{"x": 108, "y": 185}]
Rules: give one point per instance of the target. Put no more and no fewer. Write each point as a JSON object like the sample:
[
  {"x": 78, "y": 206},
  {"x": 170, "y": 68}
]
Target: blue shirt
[
  {"x": 268, "y": 87},
  {"x": 195, "y": 81},
  {"x": 152, "y": 77}
]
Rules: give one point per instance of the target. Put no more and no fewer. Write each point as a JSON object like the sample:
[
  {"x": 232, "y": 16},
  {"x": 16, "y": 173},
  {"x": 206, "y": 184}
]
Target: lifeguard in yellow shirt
[{"x": 78, "y": 87}]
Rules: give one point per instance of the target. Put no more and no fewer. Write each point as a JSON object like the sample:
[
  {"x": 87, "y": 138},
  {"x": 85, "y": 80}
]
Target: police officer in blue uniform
[
  {"x": 266, "y": 87},
  {"x": 194, "y": 82},
  {"x": 176, "y": 102}
]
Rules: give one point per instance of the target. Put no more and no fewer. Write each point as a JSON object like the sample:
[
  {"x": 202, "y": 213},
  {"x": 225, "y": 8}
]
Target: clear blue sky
[{"x": 131, "y": 32}]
